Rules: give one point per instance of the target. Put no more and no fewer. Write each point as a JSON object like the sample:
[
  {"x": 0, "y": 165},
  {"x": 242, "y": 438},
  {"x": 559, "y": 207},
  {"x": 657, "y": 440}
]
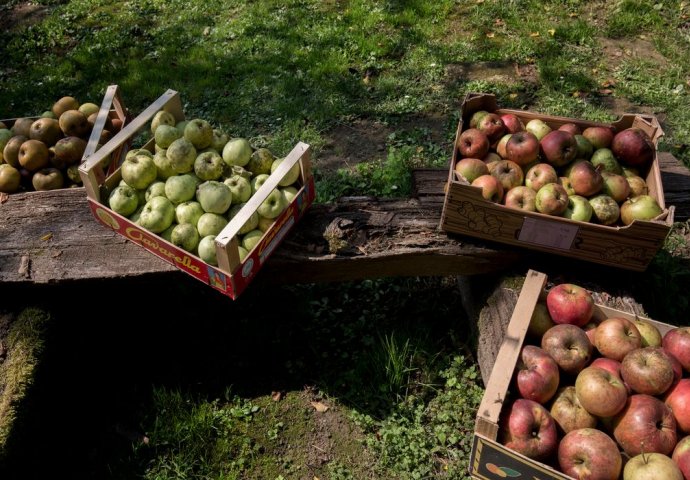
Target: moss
[{"x": 24, "y": 343}]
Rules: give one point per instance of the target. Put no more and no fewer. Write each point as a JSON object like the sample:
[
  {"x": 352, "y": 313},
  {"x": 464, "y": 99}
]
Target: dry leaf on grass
[{"x": 320, "y": 407}]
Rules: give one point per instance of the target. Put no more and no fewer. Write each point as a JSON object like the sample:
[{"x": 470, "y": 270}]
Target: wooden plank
[{"x": 675, "y": 178}]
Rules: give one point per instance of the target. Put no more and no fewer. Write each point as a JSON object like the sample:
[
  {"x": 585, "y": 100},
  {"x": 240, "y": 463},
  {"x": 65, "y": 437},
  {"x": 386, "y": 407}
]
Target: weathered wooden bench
[{"x": 49, "y": 237}]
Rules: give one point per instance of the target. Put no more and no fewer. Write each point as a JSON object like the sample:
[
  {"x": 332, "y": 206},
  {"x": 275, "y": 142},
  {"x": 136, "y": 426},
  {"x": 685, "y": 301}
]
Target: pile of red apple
[
  {"x": 597, "y": 399},
  {"x": 44, "y": 153},
  {"x": 591, "y": 175}
]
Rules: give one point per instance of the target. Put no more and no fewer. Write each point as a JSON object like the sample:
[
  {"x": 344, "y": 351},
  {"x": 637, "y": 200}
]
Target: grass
[{"x": 390, "y": 356}]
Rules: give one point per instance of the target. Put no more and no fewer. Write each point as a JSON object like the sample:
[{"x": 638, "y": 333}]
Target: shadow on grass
[{"x": 104, "y": 357}]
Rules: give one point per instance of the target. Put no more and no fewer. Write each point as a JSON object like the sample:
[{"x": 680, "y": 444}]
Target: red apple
[
  {"x": 537, "y": 374},
  {"x": 613, "y": 366},
  {"x": 641, "y": 207},
  {"x": 589, "y": 454},
  {"x": 568, "y": 412},
  {"x": 501, "y": 145},
  {"x": 521, "y": 198},
  {"x": 615, "y": 186},
  {"x": 522, "y": 148},
  {"x": 569, "y": 346},
  {"x": 571, "y": 128},
  {"x": 678, "y": 399},
  {"x": 600, "y": 392},
  {"x": 559, "y": 148},
  {"x": 633, "y": 147},
  {"x": 569, "y": 303},
  {"x": 471, "y": 168},
  {"x": 508, "y": 173},
  {"x": 492, "y": 125},
  {"x": 539, "y": 175},
  {"x": 552, "y": 199},
  {"x": 599, "y": 137},
  {"x": 585, "y": 179},
  {"x": 590, "y": 329},
  {"x": 492, "y": 189},
  {"x": 648, "y": 370},
  {"x": 615, "y": 337},
  {"x": 473, "y": 143},
  {"x": 645, "y": 424},
  {"x": 527, "y": 428},
  {"x": 512, "y": 123},
  {"x": 677, "y": 342},
  {"x": 681, "y": 456}
]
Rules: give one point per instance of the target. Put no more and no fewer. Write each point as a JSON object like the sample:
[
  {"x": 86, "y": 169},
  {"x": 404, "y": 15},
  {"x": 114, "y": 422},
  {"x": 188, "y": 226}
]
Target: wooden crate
[
  {"x": 231, "y": 276},
  {"x": 631, "y": 247},
  {"x": 489, "y": 460},
  {"x": 116, "y": 112}
]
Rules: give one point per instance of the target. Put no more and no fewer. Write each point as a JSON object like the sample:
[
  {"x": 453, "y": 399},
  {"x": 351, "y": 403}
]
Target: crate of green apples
[
  {"x": 570, "y": 187},
  {"x": 212, "y": 205},
  {"x": 579, "y": 390}
]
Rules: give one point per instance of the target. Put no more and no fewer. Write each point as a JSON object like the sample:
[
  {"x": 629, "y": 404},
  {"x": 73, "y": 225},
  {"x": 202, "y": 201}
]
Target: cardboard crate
[
  {"x": 231, "y": 276},
  {"x": 117, "y": 111},
  {"x": 489, "y": 460},
  {"x": 632, "y": 247}
]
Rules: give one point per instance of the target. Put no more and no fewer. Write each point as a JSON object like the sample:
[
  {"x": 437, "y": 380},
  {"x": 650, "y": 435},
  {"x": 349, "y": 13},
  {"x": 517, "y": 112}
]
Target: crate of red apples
[
  {"x": 571, "y": 187},
  {"x": 580, "y": 390}
]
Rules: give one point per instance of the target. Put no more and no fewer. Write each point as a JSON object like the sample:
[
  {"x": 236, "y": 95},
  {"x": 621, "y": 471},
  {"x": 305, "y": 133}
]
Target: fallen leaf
[
  {"x": 319, "y": 407},
  {"x": 605, "y": 91},
  {"x": 513, "y": 96},
  {"x": 277, "y": 396},
  {"x": 577, "y": 94},
  {"x": 490, "y": 35},
  {"x": 552, "y": 31},
  {"x": 534, "y": 34},
  {"x": 47, "y": 237},
  {"x": 57, "y": 254},
  {"x": 499, "y": 23},
  {"x": 4, "y": 197},
  {"x": 608, "y": 83},
  {"x": 572, "y": 15}
]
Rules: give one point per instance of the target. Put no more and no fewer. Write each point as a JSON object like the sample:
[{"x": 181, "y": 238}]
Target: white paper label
[{"x": 548, "y": 234}]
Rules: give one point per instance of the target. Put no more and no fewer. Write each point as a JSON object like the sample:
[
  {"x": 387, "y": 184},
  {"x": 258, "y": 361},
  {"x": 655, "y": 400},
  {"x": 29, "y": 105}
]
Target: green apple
[
  {"x": 290, "y": 193},
  {"x": 214, "y": 197},
  {"x": 538, "y": 128},
  {"x": 274, "y": 204},
  {"x": 260, "y": 162},
  {"x": 134, "y": 218},
  {"x": 185, "y": 236},
  {"x": 251, "y": 224},
  {"x": 290, "y": 177},
  {"x": 182, "y": 155},
  {"x": 607, "y": 160},
  {"x": 156, "y": 189},
  {"x": 167, "y": 233},
  {"x": 161, "y": 118},
  {"x": 220, "y": 138},
  {"x": 207, "y": 249},
  {"x": 208, "y": 165},
  {"x": 139, "y": 171},
  {"x": 137, "y": 151},
  {"x": 181, "y": 126},
  {"x": 265, "y": 223},
  {"x": 10, "y": 178},
  {"x": 123, "y": 200},
  {"x": 188, "y": 212},
  {"x": 199, "y": 132},
  {"x": 242, "y": 252},
  {"x": 237, "y": 152},
  {"x": 89, "y": 108},
  {"x": 584, "y": 147},
  {"x": 257, "y": 181},
  {"x": 240, "y": 187},
  {"x": 165, "y": 135},
  {"x": 157, "y": 215},
  {"x": 578, "y": 209},
  {"x": 181, "y": 188},
  {"x": 211, "y": 224},
  {"x": 250, "y": 239},
  {"x": 163, "y": 165}
]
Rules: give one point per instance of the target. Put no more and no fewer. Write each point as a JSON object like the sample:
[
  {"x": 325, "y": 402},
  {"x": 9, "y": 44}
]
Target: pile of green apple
[
  {"x": 589, "y": 174},
  {"x": 198, "y": 179},
  {"x": 600, "y": 398},
  {"x": 44, "y": 153}
]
